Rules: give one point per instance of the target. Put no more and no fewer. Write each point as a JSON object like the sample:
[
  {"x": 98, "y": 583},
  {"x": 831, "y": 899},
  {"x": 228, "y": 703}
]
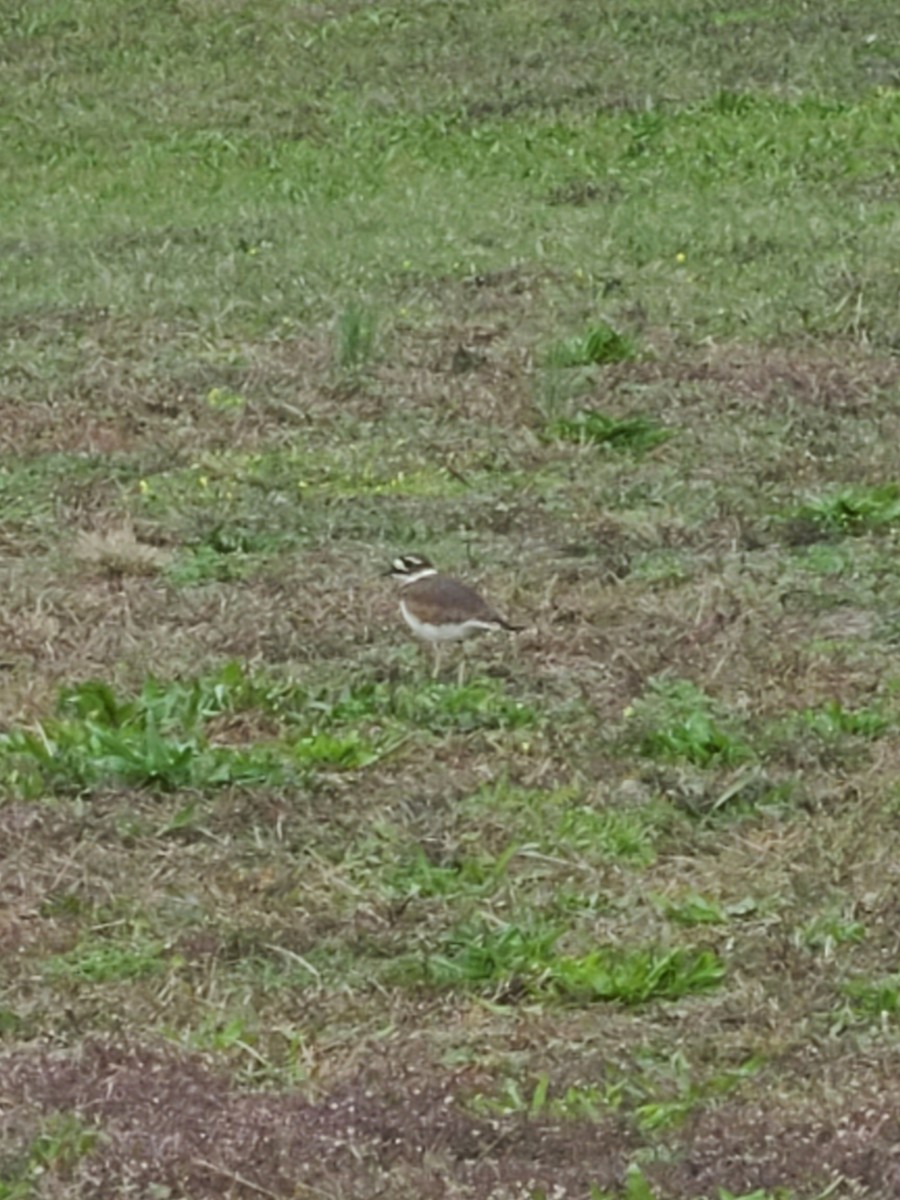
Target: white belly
[{"x": 442, "y": 633}]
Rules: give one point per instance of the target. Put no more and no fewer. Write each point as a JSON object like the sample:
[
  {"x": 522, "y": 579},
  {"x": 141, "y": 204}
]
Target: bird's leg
[
  {"x": 463, "y": 663},
  {"x": 436, "y": 670}
]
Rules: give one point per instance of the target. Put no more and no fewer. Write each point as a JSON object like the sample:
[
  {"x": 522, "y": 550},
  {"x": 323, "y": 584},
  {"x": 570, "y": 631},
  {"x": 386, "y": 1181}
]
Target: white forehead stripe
[{"x": 417, "y": 573}]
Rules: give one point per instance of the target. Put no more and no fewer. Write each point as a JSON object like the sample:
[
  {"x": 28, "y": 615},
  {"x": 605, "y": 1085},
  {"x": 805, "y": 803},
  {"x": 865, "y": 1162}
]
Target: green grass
[
  {"x": 677, "y": 721},
  {"x": 832, "y": 720},
  {"x": 159, "y": 738},
  {"x": 875, "y": 1000},
  {"x": 99, "y": 962},
  {"x": 855, "y": 509},
  {"x": 601, "y": 344},
  {"x": 209, "y": 209},
  {"x": 598, "y": 310},
  {"x": 515, "y": 956},
  {"x": 155, "y": 739},
  {"x": 695, "y": 909},
  {"x": 63, "y": 1141},
  {"x": 473, "y": 877},
  {"x": 618, "y": 433},
  {"x": 355, "y": 337}
]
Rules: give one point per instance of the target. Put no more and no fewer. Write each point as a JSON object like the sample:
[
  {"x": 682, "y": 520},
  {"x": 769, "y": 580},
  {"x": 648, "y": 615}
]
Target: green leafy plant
[
  {"x": 676, "y": 720},
  {"x": 875, "y": 999},
  {"x": 668, "y": 1089},
  {"x": 161, "y": 737},
  {"x": 637, "y": 434},
  {"x": 352, "y": 749},
  {"x": 855, "y": 509},
  {"x": 104, "y": 960},
  {"x": 203, "y": 564},
  {"x": 79, "y": 753},
  {"x": 475, "y": 876},
  {"x": 825, "y": 933},
  {"x": 636, "y": 976},
  {"x": 636, "y": 1187},
  {"x": 438, "y": 707},
  {"x": 64, "y": 1139},
  {"x": 476, "y": 954},
  {"x": 355, "y": 336},
  {"x": 694, "y": 909},
  {"x": 479, "y": 955},
  {"x": 625, "y": 834},
  {"x": 831, "y": 720},
  {"x": 600, "y": 344}
]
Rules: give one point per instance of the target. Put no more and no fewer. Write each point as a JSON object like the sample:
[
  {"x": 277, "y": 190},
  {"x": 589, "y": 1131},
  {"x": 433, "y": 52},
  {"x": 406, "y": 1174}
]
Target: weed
[
  {"x": 675, "y": 720},
  {"x": 854, "y": 510},
  {"x": 825, "y": 933},
  {"x": 159, "y": 738},
  {"x": 636, "y": 976},
  {"x": 348, "y": 750},
  {"x": 636, "y": 1188},
  {"x": 480, "y": 955},
  {"x": 576, "y": 1103},
  {"x": 524, "y": 957},
  {"x": 600, "y": 344},
  {"x": 355, "y": 337},
  {"x": 467, "y": 876},
  {"x": 875, "y": 1000},
  {"x": 695, "y": 909},
  {"x": 63, "y": 1141},
  {"x": 662, "y": 567},
  {"x": 636, "y": 434},
  {"x": 832, "y": 720},
  {"x": 674, "y": 1074},
  {"x": 220, "y": 1032},
  {"x": 207, "y": 565},
  {"x": 224, "y": 400},
  {"x": 10, "y": 1023},
  {"x": 480, "y": 703},
  {"x": 627, "y": 835},
  {"x": 561, "y": 820},
  {"x": 101, "y": 960},
  {"x": 67, "y": 754}
]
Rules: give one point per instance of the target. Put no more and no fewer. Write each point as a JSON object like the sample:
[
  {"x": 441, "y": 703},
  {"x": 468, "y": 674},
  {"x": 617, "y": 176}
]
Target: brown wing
[{"x": 458, "y": 602}]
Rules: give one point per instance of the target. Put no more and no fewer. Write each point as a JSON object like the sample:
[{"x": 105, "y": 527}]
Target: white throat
[{"x": 422, "y": 573}]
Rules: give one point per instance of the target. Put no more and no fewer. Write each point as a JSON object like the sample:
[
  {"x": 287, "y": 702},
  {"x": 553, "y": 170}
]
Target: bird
[{"x": 439, "y": 609}]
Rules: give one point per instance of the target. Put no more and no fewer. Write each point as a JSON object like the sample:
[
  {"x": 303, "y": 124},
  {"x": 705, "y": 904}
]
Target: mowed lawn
[{"x": 596, "y": 306}]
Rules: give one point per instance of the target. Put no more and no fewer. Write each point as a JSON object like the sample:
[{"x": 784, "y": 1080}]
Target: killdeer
[{"x": 439, "y": 609}]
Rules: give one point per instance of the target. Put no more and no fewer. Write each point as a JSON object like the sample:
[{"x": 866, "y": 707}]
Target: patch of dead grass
[{"x": 116, "y": 551}]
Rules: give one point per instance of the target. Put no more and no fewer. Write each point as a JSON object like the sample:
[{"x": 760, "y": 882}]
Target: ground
[{"x": 598, "y": 311}]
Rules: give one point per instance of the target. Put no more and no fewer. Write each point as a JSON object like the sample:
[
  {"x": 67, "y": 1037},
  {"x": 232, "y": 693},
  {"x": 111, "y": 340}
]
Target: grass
[
  {"x": 855, "y": 509},
  {"x": 598, "y": 310},
  {"x": 159, "y": 738},
  {"x": 63, "y": 1141},
  {"x": 514, "y": 957},
  {"x": 101, "y": 962},
  {"x": 627, "y": 433},
  {"x": 355, "y": 337},
  {"x": 678, "y": 722},
  {"x": 601, "y": 344}
]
